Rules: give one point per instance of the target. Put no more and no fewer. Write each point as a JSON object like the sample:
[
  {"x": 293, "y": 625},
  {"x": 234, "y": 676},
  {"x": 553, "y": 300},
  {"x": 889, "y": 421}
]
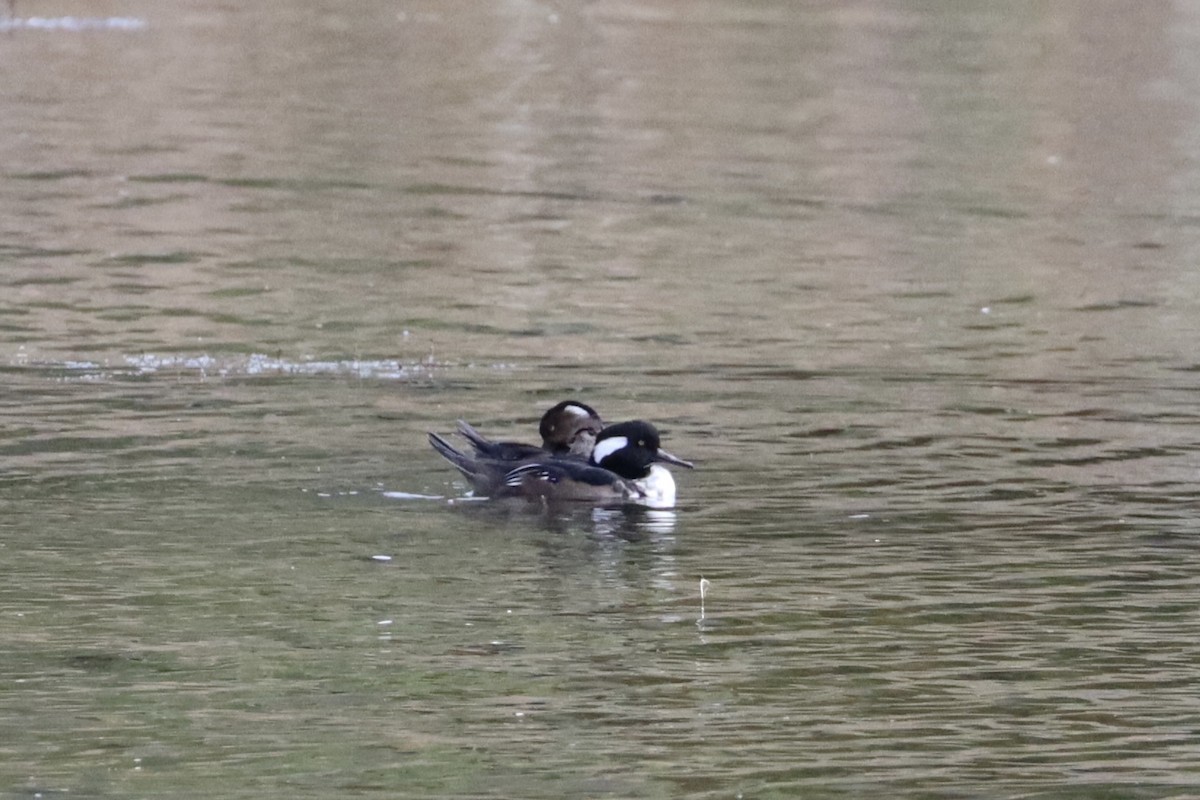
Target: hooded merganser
[
  {"x": 621, "y": 469},
  {"x": 568, "y": 430}
]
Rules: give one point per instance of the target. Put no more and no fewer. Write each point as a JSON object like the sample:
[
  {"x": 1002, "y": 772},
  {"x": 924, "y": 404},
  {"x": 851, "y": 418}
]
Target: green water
[{"x": 915, "y": 287}]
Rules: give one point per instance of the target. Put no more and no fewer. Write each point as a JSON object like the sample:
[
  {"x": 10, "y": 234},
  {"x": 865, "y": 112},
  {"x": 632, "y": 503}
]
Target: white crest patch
[
  {"x": 606, "y": 447},
  {"x": 575, "y": 410}
]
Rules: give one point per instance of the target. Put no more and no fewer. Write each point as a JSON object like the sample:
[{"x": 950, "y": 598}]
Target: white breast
[{"x": 657, "y": 488}]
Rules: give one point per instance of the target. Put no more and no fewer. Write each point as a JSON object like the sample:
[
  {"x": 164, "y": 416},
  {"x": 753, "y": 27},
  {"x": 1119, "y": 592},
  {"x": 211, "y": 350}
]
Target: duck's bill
[{"x": 663, "y": 455}]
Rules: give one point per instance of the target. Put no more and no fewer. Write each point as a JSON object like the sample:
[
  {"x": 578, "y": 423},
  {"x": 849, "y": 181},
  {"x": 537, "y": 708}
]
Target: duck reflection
[{"x": 631, "y": 523}]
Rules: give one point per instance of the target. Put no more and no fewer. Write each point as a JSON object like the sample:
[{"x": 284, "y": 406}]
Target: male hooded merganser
[
  {"x": 568, "y": 430},
  {"x": 622, "y": 469}
]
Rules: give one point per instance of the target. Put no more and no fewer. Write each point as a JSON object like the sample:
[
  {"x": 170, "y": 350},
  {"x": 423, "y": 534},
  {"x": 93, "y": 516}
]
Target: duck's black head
[{"x": 630, "y": 448}]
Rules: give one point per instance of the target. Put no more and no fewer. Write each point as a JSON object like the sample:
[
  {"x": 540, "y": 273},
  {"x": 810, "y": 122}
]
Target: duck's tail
[
  {"x": 477, "y": 440},
  {"x": 458, "y": 459}
]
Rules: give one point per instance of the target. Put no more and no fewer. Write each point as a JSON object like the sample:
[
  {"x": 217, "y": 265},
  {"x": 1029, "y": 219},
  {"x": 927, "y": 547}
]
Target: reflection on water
[{"x": 915, "y": 287}]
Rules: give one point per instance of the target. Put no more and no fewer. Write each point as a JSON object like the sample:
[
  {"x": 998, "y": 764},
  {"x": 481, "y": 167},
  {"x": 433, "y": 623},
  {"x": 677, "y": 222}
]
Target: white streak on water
[
  {"x": 256, "y": 364},
  {"x": 260, "y": 364},
  {"x": 411, "y": 496},
  {"x": 72, "y": 24}
]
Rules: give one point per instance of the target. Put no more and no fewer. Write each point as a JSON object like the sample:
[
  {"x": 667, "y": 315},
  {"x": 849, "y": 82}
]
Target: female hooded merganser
[
  {"x": 568, "y": 430},
  {"x": 622, "y": 469}
]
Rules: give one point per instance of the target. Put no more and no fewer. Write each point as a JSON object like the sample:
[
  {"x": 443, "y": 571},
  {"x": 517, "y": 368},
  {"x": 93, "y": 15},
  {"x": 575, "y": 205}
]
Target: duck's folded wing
[
  {"x": 565, "y": 480},
  {"x": 499, "y": 451}
]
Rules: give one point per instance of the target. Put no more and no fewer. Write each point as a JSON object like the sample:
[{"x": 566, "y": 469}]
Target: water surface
[{"x": 915, "y": 287}]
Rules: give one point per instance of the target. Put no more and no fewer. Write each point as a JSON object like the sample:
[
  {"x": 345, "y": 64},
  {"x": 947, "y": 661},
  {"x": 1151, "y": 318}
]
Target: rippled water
[{"x": 915, "y": 287}]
